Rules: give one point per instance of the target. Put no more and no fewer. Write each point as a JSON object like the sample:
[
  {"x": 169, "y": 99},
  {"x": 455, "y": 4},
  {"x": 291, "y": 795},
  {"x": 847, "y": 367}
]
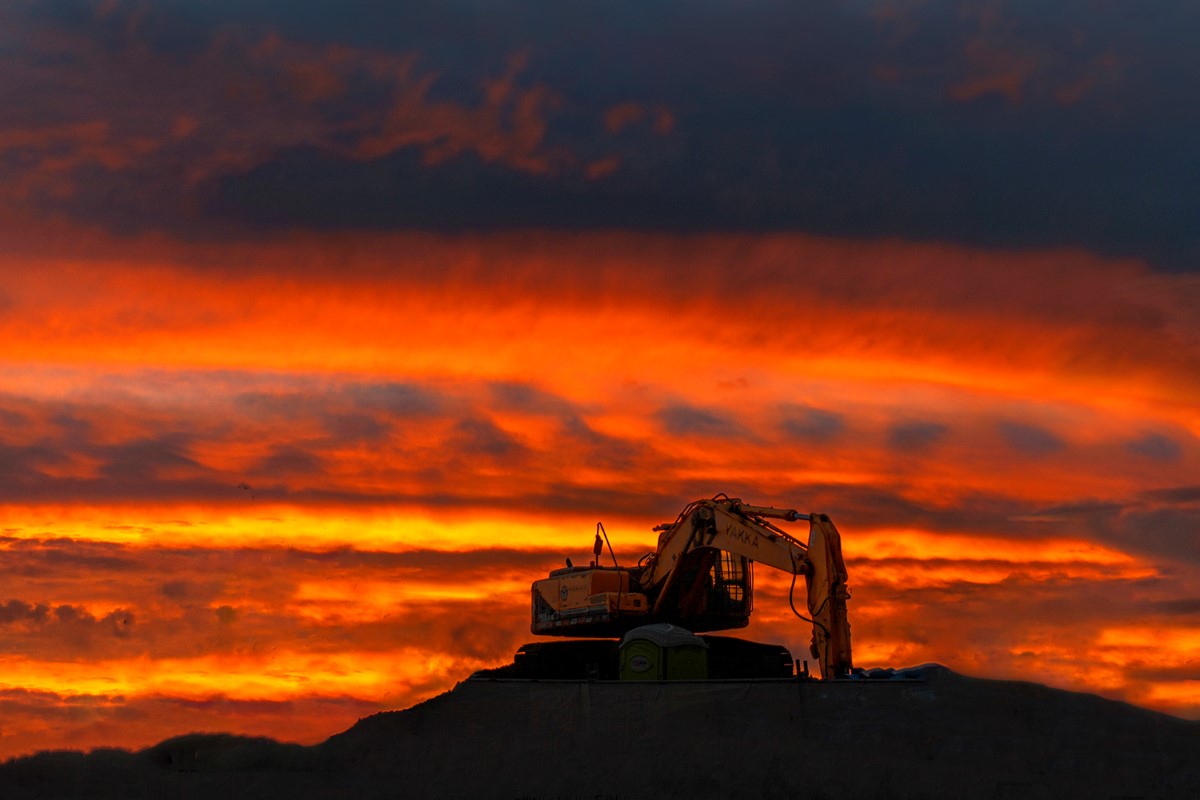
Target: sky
[{"x": 326, "y": 331}]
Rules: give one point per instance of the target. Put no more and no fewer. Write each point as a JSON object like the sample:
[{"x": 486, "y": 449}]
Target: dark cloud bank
[{"x": 998, "y": 124}]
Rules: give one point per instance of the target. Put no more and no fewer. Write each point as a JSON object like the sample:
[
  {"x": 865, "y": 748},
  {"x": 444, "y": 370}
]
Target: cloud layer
[
  {"x": 1001, "y": 124},
  {"x": 325, "y": 335},
  {"x": 319, "y": 476}
]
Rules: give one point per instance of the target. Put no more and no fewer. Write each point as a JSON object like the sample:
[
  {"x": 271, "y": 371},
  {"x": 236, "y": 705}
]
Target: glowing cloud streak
[{"x": 329, "y": 479}]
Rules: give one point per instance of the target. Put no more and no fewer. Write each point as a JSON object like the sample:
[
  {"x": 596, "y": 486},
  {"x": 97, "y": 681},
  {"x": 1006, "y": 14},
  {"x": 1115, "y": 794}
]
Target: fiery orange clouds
[
  {"x": 323, "y": 334},
  {"x": 274, "y": 487}
]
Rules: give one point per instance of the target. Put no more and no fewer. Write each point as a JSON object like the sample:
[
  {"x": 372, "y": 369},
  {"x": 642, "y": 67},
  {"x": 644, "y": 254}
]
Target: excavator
[{"x": 700, "y": 579}]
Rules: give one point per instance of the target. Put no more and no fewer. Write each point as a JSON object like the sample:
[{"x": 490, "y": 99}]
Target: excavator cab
[
  {"x": 732, "y": 592},
  {"x": 714, "y": 591}
]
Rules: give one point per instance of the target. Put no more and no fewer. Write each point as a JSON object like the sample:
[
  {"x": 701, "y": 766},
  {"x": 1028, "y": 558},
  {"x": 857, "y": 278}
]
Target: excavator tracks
[{"x": 597, "y": 659}]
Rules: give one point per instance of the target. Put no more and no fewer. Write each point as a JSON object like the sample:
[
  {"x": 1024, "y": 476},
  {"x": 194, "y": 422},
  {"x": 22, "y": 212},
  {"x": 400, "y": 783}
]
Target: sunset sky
[{"x": 327, "y": 330}]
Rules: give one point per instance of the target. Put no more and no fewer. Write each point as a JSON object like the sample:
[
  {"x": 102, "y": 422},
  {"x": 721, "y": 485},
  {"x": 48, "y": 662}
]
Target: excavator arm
[
  {"x": 731, "y": 526},
  {"x": 827, "y": 595}
]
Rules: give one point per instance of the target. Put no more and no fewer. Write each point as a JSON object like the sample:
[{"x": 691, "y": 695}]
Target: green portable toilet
[{"x": 663, "y": 652}]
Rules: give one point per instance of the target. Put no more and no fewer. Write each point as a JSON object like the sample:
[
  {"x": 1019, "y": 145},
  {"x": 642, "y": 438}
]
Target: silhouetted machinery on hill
[{"x": 699, "y": 579}]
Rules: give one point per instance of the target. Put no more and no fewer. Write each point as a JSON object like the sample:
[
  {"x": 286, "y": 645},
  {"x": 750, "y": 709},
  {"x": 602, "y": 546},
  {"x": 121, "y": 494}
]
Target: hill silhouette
[{"x": 936, "y": 734}]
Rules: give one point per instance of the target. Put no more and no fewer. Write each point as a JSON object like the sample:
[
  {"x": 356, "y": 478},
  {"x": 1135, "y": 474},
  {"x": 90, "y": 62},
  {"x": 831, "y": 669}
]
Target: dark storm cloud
[
  {"x": 1002, "y": 123},
  {"x": 12, "y": 419},
  {"x": 1080, "y": 508},
  {"x": 1060, "y": 599},
  {"x": 477, "y": 437},
  {"x": 397, "y": 398},
  {"x": 355, "y": 427},
  {"x": 1171, "y": 533},
  {"x": 18, "y": 463},
  {"x": 16, "y": 611},
  {"x": 863, "y": 506},
  {"x": 686, "y": 420},
  {"x": 192, "y": 600},
  {"x": 150, "y": 458},
  {"x": 467, "y": 441},
  {"x": 148, "y": 466},
  {"x": 65, "y": 621},
  {"x": 1155, "y": 446},
  {"x": 855, "y": 507},
  {"x": 916, "y": 437},
  {"x": 527, "y": 398},
  {"x": 811, "y": 423},
  {"x": 302, "y": 429},
  {"x": 600, "y": 449},
  {"x": 1184, "y": 606},
  {"x": 1163, "y": 525},
  {"x": 1030, "y": 439},
  {"x": 309, "y": 399},
  {"x": 288, "y": 460},
  {"x": 358, "y": 412},
  {"x": 576, "y": 436},
  {"x": 187, "y": 591},
  {"x": 955, "y": 619},
  {"x": 1175, "y": 494},
  {"x": 434, "y": 561},
  {"x": 200, "y": 574},
  {"x": 43, "y": 557}
]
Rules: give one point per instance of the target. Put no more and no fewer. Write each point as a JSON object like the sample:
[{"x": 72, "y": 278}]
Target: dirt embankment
[{"x": 947, "y": 736}]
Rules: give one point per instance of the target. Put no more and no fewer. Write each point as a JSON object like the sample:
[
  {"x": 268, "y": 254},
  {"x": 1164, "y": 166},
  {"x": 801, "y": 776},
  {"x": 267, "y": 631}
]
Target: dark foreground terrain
[{"x": 946, "y": 736}]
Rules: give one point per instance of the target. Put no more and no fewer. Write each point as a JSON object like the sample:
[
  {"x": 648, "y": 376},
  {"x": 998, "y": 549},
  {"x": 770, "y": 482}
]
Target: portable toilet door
[
  {"x": 686, "y": 662},
  {"x": 642, "y": 660},
  {"x": 663, "y": 652}
]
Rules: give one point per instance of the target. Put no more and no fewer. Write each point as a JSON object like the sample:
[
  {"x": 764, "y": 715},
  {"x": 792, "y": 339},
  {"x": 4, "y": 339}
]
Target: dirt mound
[
  {"x": 940, "y": 736},
  {"x": 944, "y": 736}
]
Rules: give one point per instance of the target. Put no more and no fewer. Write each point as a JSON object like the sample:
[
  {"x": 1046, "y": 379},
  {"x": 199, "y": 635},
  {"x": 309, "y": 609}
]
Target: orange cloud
[
  {"x": 622, "y": 116},
  {"x": 509, "y": 126},
  {"x": 197, "y": 116},
  {"x": 259, "y": 473},
  {"x": 994, "y": 70},
  {"x": 229, "y": 616},
  {"x": 1069, "y": 320},
  {"x": 367, "y": 379}
]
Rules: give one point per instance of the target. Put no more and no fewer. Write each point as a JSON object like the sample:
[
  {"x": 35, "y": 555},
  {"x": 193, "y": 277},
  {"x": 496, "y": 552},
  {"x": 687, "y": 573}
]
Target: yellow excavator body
[{"x": 700, "y": 578}]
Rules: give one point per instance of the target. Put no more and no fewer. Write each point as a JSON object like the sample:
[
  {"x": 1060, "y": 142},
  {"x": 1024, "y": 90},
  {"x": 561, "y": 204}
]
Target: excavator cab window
[{"x": 731, "y": 587}]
